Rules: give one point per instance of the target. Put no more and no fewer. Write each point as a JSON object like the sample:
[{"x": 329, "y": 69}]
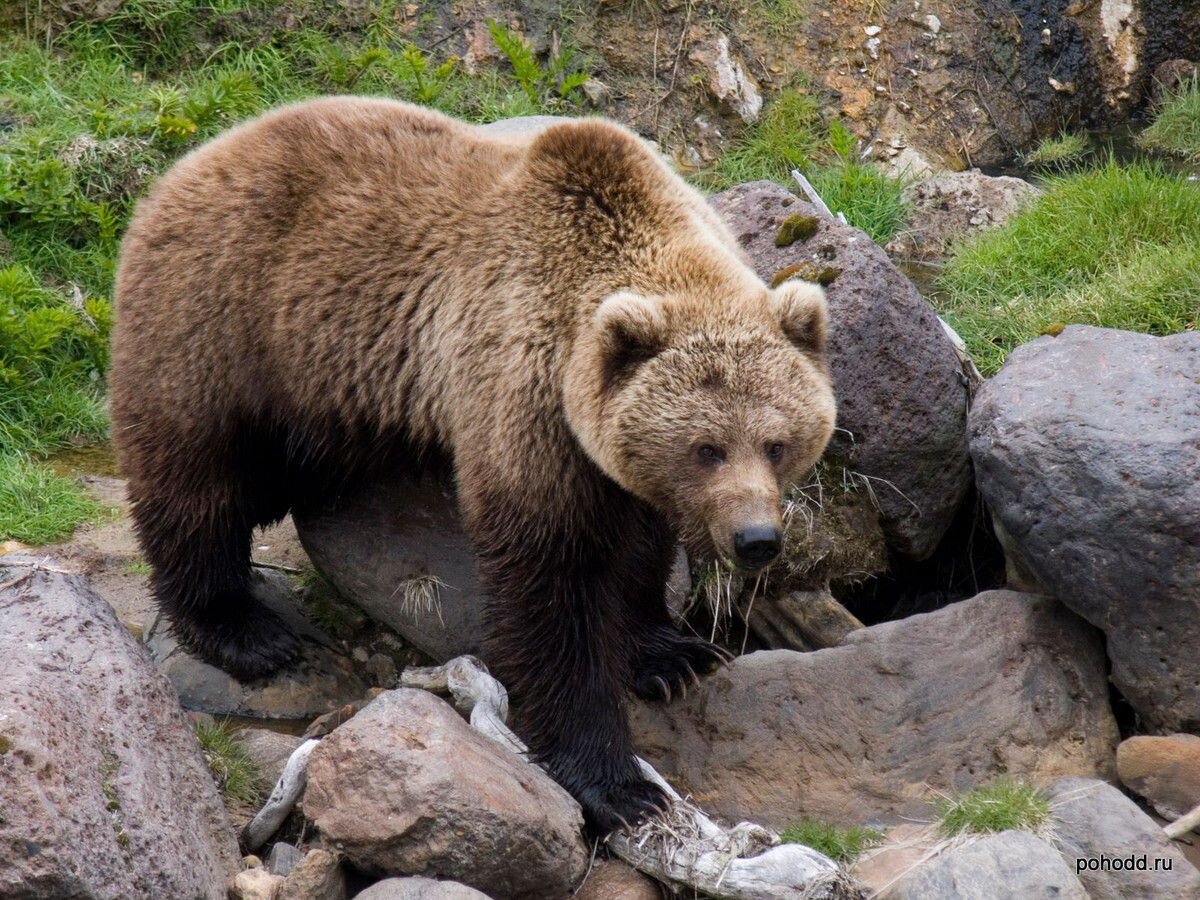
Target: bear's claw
[
  {"x": 668, "y": 660},
  {"x": 626, "y": 805}
]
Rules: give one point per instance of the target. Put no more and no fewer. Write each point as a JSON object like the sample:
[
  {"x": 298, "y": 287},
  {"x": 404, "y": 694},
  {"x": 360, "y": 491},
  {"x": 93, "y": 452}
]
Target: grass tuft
[
  {"x": 869, "y": 198},
  {"x": 236, "y": 774},
  {"x": 1002, "y": 805},
  {"x": 1176, "y": 128},
  {"x": 1116, "y": 246},
  {"x": 839, "y": 844},
  {"x": 1060, "y": 151},
  {"x": 789, "y": 134}
]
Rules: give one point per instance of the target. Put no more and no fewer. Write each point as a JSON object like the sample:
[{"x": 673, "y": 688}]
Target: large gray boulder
[
  {"x": 1004, "y": 683},
  {"x": 1118, "y": 851},
  {"x": 1087, "y": 450},
  {"x": 103, "y": 791},
  {"x": 407, "y": 787},
  {"x": 1004, "y": 866},
  {"x": 901, "y": 394}
]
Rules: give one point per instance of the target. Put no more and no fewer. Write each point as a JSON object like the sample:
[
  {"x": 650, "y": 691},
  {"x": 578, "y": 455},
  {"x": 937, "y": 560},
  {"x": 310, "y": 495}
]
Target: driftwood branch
[
  {"x": 283, "y": 798},
  {"x": 1184, "y": 824},
  {"x": 801, "y": 620},
  {"x": 813, "y": 197},
  {"x": 746, "y": 862}
]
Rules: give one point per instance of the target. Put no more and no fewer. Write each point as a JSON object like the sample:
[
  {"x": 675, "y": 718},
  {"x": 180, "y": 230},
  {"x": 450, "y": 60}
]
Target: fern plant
[{"x": 537, "y": 81}]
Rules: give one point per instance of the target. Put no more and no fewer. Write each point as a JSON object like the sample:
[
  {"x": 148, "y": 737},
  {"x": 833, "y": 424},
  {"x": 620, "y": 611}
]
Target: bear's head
[{"x": 706, "y": 408}]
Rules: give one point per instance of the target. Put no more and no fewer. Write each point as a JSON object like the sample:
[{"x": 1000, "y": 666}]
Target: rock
[
  {"x": 316, "y": 877},
  {"x": 1164, "y": 770},
  {"x": 323, "y": 680},
  {"x": 1001, "y": 683},
  {"x": 419, "y": 889},
  {"x": 255, "y": 884},
  {"x": 1087, "y": 450},
  {"x": 904, "y": 848},
  {"x": 998, "y": 867},
  {"x": 398, "y": 550},
  {"x": 727, "y": 79},
  {"x": 103, "y": 790},
  {"x": 523, "y": 125},
  {"x": 283, "y": 858},
  {"x": 612, "y": 879},
  {"x": 950, "y": 206},
  {"x": 270, "y": 750},
  {"x": 597, "y": 92},
  {"x": 408, "y": 787},
  {"x": 1117, "y": 851},
  {"x": 1168, "y": 77},
  {"x": 907, "y": 425}
]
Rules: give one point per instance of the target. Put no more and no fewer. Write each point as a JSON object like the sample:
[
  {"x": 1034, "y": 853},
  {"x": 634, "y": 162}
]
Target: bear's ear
[
  {"x": 631, "y": 329},
  {"x": 802, "y": 313}
]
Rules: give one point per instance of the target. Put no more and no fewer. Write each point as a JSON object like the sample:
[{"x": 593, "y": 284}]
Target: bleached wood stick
[
  {"x": 1184, "y": 824},
  {"x": 746, "y": 862},
  {"x": 287, "y": 789},
  {"x": 811, "y": 193}
]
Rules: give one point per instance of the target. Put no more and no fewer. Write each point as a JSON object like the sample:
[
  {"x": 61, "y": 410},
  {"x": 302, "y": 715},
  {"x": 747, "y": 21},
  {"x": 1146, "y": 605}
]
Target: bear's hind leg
[{"x": 195, "y": 531}]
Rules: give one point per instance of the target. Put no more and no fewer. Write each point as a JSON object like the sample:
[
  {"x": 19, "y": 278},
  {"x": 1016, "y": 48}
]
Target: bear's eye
[
  {"x": 775, "y": 452},
  {"x": 709, "y": 455}
]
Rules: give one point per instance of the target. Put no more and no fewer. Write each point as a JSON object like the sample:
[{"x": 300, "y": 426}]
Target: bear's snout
[{"x": 756, "y": 545}]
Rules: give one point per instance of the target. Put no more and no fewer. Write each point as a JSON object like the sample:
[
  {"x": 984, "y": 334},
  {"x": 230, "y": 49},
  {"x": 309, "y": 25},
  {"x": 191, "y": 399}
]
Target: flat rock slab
[
  {"x": 1118, "y": 851},
  {"x": 901, "y": 393},
  {"x": 103, "y": 791},
  {"x": 1087, "y": 450},
  {"x": 1001, "y": 683},
  {"x": 1001, "y": 866},
  {"x": 407, "y": 787}
]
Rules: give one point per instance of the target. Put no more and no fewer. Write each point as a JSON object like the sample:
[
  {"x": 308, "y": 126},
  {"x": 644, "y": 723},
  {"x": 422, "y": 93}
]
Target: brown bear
[{"x": 557, "y": 321}]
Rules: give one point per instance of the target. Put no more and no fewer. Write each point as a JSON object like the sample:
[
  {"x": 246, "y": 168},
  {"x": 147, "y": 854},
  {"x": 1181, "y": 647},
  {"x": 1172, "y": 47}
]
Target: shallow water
[{"x": 93, "y": 459}]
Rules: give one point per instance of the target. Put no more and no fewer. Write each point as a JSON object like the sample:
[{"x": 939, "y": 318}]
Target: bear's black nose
[{"x": 757, "y": 545}]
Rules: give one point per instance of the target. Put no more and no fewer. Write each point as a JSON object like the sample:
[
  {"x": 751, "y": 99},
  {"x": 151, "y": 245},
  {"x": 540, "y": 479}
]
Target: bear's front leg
[{"x": 557, "y": 638}]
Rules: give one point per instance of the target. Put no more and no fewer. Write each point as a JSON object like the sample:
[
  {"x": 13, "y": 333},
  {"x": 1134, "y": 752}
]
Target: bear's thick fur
[{"x": 558, "y": 321}]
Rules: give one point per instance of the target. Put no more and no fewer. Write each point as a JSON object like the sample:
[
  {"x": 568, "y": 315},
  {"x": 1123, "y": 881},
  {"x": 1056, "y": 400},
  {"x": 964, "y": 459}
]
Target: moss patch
[
  {"x": 822, "y": 275},
  {"x": 796, "y": 227}
]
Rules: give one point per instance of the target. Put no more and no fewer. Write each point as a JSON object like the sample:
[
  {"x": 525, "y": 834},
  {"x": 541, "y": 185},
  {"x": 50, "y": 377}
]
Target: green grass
[
  {"x": 235, "y": 772},
  {"x": 1060, "y": 151},
  {"x": 37, "y": 506},
  {"x": 792, "y": 135},
  {"x": 788, "y": 136},
  {"x": 94, "y": 110},
  {"x": 1002, "y": 805},
  {"x": 839, "y": 844},
  {"x": 869, "y": 198},
  {"x": 1176, "y": 128},
  {"x": 1115, "y": 246}
]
